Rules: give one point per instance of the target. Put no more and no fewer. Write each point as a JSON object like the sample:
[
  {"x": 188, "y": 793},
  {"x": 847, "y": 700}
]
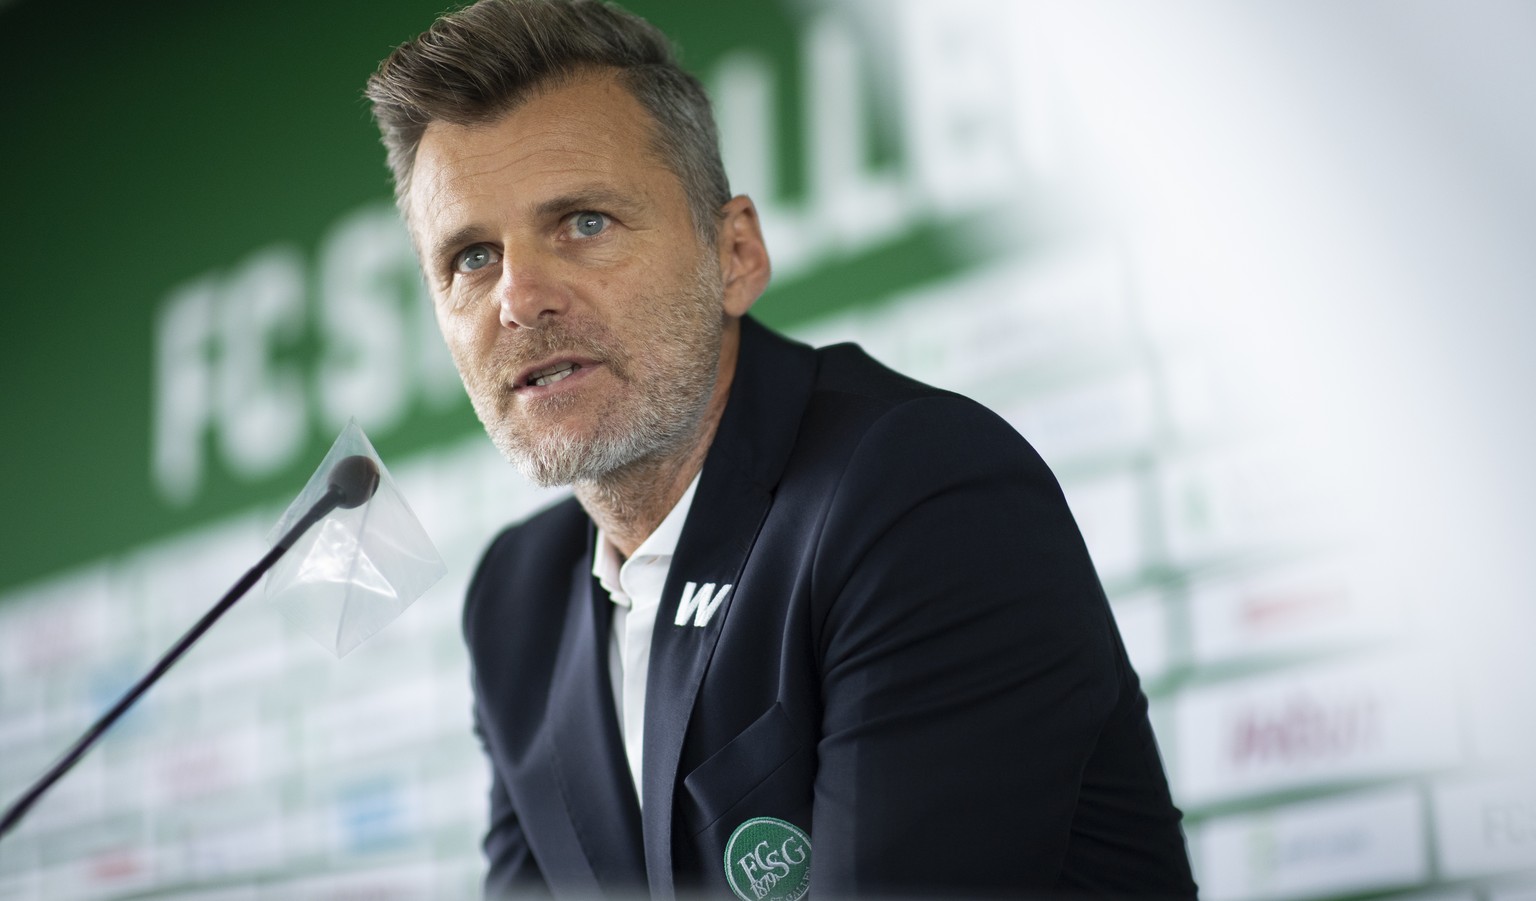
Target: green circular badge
[{"x": 768, "y": 859}]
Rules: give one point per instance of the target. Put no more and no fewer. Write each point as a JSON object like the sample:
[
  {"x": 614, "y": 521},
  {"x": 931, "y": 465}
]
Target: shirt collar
[{"x": 657, "y": 548}]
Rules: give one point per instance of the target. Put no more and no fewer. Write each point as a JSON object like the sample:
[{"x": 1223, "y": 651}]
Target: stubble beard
[{"x": 658, "y": 415}]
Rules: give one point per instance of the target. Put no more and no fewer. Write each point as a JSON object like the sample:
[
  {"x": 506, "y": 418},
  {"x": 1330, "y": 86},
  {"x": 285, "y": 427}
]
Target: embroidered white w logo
[{"x": 700, "y": 603}]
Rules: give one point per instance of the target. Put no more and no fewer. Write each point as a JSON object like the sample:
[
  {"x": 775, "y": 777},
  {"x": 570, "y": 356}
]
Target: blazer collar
[
  {"x": 757, "y": 431},
  {"x": 772, "y": 385}
]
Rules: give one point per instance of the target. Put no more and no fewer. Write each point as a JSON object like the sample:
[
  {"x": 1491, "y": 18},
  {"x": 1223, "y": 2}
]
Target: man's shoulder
[
  {"x": 848, "y": 368},
  {"x": 861, "y": 399},
  {"x": 563, "y": 523},
  {"x": 547, "y": 542}
]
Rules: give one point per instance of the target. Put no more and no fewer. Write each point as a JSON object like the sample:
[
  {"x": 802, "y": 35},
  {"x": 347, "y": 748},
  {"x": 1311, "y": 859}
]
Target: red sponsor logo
[{"x": 1306, "y": 729}]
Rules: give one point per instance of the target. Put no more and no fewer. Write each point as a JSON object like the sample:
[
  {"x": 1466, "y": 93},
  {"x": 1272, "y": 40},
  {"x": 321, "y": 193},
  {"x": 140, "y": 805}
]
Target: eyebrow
[
  {"x": 590, "y": 198},
  {"x": 451, "y": 242}
]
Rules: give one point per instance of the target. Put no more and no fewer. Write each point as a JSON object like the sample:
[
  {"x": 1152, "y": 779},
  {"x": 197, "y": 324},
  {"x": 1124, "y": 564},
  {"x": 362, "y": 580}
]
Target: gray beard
[
  {"x": 660, "y": 428},
  {"x": 667, "y": 410}
]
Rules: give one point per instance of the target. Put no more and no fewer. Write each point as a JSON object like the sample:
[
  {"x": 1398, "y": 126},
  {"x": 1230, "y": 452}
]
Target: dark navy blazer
[{"x": 915, "y": 665}]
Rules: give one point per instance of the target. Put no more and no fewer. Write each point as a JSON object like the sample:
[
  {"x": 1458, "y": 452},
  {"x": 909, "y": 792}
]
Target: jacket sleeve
[
  {"x": 511, "y": 870},
  {"x": 968, "y": 662}
]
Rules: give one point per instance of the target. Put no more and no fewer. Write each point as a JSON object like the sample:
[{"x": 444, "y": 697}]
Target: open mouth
[{"x": 551, "y": 374}]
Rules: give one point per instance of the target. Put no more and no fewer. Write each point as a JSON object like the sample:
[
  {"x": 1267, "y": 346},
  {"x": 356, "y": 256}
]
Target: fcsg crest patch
[{"x": 768, "y": 859}]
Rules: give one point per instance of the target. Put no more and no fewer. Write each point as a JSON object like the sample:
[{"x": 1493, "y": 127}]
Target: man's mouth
[{"x": 551, "y": 374}]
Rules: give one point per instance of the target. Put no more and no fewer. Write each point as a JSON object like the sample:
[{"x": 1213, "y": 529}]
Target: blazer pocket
[{"x": 767, "y": 755}]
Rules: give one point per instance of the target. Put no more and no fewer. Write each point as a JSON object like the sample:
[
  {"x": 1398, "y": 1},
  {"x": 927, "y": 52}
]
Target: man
[{"x": 806, "y": 622}]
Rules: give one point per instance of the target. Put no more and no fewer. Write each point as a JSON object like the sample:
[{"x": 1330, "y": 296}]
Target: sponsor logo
[
  {"x": 1307, "y": 729},
  {"x": 767, "y": 859}
]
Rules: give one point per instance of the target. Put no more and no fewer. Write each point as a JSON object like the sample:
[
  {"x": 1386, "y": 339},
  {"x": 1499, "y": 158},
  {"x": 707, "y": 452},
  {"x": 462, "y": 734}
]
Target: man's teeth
[{"x": 554, "y": 375}]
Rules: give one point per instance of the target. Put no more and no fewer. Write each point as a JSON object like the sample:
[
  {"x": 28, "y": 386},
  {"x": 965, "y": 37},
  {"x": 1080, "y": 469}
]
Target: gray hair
[{"x": 477, "y": 64}]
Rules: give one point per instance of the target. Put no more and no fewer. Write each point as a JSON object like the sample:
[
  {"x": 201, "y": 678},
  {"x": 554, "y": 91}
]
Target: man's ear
[{"x": 744, "y": 266}]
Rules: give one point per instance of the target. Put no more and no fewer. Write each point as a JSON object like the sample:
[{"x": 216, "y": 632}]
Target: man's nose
[{"x": 528, "y": 297}]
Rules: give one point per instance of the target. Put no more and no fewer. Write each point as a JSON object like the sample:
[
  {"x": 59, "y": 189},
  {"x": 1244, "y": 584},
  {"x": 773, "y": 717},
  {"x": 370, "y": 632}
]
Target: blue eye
[
  {"x": 589, "y": 224},
  {"x": 473, "y": 258}
]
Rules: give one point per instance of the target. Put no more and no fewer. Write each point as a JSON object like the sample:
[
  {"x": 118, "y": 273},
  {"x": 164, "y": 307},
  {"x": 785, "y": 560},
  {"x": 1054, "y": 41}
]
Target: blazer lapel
[
  {"x": 768, "y": 396},
  {"x": 587, "y": 750}
]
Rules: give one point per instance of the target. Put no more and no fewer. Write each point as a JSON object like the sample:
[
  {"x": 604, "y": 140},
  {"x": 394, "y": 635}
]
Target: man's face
[{"x": 572, "y": 289}]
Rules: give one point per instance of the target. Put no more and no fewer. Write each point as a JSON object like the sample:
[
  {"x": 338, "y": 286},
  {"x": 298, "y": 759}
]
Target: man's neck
[{"x": 628, "y": 504}]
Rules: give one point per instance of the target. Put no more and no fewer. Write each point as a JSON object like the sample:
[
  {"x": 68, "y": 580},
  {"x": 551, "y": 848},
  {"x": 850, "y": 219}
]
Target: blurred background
[{"x": 1256, "y": 279}]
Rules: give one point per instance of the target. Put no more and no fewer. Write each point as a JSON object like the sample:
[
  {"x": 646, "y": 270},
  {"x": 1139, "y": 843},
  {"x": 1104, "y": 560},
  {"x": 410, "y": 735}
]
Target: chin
[{"x": 563, "y": 459}]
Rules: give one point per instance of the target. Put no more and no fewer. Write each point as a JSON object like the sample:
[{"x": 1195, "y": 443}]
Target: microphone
[
  {"x": 354, "y": 479},
  {"x": 352, "y": 483}
]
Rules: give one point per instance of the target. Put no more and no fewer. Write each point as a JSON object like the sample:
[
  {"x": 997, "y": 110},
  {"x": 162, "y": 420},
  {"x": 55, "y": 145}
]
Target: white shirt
[{"x": 635, "y": 586}]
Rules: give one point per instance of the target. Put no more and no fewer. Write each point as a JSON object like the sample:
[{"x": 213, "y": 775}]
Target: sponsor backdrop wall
[{"x": 1255, "y": 280}]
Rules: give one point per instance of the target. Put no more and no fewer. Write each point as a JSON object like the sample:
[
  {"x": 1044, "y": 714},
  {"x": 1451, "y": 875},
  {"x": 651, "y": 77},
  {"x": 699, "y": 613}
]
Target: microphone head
[{"x": 354, "y": 479}]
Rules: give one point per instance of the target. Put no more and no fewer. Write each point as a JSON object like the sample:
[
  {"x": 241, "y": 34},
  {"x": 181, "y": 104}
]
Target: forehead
[{"x": 584, "y": 135}]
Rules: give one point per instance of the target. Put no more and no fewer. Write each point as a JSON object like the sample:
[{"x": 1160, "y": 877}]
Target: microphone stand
[{"x": 340, "y": 493}]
